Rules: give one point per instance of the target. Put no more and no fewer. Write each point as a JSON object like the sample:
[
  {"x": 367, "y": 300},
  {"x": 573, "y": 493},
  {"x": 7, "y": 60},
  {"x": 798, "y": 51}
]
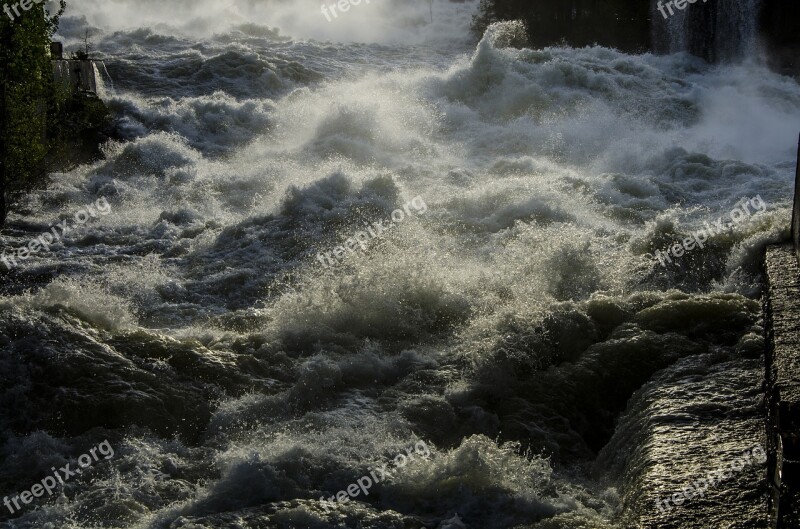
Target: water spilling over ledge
[{"x": 715, "y": 30}]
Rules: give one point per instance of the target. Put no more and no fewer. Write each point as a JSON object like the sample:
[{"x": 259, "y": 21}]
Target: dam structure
[{"x": 74, "y": 75}]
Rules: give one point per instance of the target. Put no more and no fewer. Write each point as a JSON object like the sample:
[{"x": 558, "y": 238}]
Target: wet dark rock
[{"x": 60, "y": 376}]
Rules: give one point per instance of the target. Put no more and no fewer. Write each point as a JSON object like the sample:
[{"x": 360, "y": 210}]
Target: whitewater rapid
[{"x": 521, "y": 327}]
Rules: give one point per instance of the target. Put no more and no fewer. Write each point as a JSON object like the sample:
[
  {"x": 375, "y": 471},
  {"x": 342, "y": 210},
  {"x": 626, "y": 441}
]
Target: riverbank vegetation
[{"x": 41, "y": 125}]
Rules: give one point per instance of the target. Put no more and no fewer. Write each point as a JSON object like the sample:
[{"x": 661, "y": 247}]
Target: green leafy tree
[{"x": 26, "y": 92}]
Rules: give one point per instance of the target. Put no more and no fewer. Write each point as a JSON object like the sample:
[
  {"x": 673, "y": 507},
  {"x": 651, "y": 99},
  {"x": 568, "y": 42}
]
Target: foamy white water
[{"x": 521, "y": 327}]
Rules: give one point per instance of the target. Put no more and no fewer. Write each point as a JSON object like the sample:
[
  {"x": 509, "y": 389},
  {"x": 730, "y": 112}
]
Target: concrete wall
[
  {"x": 796, "y": 210},
  {"x": 73, "y": 76},
  {"x": 782, "y": 315}
]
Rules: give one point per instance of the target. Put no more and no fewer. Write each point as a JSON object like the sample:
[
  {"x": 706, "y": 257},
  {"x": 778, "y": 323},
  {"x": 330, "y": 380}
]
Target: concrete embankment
[
  {"x": 782, "y": 310},
  {"x": 782, "y": 319}
]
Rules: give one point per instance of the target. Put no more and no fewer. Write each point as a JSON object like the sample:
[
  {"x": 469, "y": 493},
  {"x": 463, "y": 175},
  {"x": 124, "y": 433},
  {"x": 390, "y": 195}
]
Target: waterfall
[
  {"x": 100, "y": 79},
  {"x": 717, "y": 30}
]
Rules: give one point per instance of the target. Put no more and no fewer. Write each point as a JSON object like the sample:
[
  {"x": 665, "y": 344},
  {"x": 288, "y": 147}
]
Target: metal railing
[{"x": 796, "y": 209}]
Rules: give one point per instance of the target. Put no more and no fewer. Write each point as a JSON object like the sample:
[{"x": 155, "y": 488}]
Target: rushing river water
[{"x": 518, "y": 324}]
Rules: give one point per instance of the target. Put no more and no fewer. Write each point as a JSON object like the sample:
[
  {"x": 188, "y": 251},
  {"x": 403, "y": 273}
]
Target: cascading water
[
  {"x": 717, "y": 30},
  {"x": 560, "y": 375}
]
